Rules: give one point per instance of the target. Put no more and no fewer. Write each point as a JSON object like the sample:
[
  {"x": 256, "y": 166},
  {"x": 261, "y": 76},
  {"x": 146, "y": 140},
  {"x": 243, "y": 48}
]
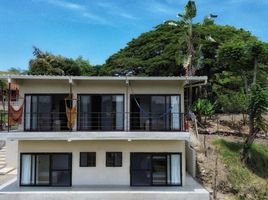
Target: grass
[{"x": 248, "y": 182}]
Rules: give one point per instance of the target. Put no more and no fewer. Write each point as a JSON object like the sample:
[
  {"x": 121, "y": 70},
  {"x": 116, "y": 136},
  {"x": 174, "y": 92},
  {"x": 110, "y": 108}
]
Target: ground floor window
[
  {"x": 45, "y": 169},
  {"x": 156, "y": 169}
]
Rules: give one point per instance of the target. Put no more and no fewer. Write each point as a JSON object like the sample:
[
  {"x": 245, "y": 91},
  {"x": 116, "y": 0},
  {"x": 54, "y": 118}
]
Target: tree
[
  {"x": 203, "y": 107},
  {"x": 49, "y": 64},
  {"x": 257, "y": 107}
]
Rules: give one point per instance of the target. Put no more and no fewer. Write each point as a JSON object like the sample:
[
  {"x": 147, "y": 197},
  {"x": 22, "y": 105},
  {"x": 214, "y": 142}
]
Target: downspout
[
  {"x": 9, "y": 100},
  {"x": 127, "y": 105}
]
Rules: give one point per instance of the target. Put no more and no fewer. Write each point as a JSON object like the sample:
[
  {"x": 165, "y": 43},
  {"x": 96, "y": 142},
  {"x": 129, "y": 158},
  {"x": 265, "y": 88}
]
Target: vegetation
[
  {"x": 247, "y": 183},
  {"x": 49, "y": 64},
  {"x": 203, "y": 107},
  {"x": 257, "y": 108}
]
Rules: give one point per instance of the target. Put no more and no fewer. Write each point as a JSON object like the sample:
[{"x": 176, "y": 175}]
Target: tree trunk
[
  {"x": 255, "y": 71},
  {"x": 244, "y": 77},
  {"x": 249, "y": 141}
]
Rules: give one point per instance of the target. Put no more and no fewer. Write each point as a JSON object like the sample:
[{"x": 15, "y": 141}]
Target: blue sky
[{"x": 95, "y": 29}]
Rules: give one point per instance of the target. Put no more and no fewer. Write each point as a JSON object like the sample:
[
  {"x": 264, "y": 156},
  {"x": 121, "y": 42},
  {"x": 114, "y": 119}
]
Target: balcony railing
[{"x": 98, "y": 121}]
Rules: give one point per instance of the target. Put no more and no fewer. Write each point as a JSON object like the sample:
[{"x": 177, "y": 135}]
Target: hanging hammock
[
  {"x": 15, "y": 116},
  {"x": 70, "y": 114}
]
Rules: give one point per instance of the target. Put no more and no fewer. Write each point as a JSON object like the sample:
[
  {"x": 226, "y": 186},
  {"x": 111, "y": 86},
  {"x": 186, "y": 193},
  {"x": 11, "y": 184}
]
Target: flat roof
[{"x": 102, "y": 78}]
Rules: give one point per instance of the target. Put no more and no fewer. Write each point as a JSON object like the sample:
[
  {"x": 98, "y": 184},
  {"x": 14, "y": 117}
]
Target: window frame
[
  {"x": 38, "y": 95},
  {"x": 151, "y": 170},
  {"x": 79, "y": 95},
  {"x": 133, "y": 96},
  {"x": 87, "y": 157},
  {"x": 113, "y": 163},
  {"x": 50, "y": 169}
]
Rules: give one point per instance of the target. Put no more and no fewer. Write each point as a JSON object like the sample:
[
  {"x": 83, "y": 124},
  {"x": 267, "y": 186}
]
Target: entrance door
[
  {"x": 46, "y": 169},
  {"x": 155, "y": 169},
  {"x": 61, "y": 166}
]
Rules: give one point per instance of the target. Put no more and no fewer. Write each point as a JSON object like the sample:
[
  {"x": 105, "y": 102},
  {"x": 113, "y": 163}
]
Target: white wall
[
  {"x": 102, "y": 175},
  {"x": 11, "y": 153}
]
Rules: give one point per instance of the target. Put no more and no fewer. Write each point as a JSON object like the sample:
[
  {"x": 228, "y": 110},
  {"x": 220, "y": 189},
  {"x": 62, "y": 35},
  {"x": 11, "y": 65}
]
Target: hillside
[{"x": 234, "y": 180}]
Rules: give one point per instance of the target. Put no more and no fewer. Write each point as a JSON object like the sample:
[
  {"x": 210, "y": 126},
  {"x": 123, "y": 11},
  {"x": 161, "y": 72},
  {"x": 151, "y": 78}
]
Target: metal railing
[{"x": 100, "y": 121}]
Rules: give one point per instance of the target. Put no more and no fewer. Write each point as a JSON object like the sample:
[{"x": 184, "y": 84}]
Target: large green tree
[{"x": 46, "y": 63}]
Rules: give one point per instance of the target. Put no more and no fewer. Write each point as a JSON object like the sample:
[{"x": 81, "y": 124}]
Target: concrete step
[{"x": 6, "y": 170}]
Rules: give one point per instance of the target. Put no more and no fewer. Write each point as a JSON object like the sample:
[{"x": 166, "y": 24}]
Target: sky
[{"x": 96, "y": 29}]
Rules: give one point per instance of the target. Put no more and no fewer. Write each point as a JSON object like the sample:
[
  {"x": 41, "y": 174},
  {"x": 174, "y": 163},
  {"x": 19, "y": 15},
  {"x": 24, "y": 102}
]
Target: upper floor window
[
  {"x": 155, "y": 112},
  {"x": 100, "y": 112},
  {"x": 45, "y": 112}
]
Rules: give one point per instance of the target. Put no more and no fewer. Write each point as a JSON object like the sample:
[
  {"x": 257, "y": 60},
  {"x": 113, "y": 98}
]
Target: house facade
[{"x": 96, "y": 131}]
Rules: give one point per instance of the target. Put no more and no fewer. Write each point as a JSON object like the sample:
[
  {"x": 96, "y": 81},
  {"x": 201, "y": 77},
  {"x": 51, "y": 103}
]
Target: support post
[{"x": 71, "y": 97}]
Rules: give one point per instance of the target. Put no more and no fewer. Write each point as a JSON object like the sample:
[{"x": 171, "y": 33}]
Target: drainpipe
[
  {"x": 9, "y": 99},
  {"x": 127, "y": 105}
]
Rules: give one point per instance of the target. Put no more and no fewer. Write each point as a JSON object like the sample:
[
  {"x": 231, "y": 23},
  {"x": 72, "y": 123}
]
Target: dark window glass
[
  {"x": 60, "y": 162},
  {"x": 150, "y": 169},
  {"x": 87, "y": 159},
  {"x": 155, "y": 112},
  {"x": 101, "y": 112},
  {"x": 61, "y": 178},
  {"x": 113, "y": 159}
]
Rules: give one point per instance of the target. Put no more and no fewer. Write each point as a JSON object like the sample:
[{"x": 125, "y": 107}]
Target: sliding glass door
[
  {"x": 155, "y": 112},
  {"x": 156, "y": 169},
  {"x": 45, "y": 112},
  {"x": 42, "y": 169},
  {"x": 101, "y": 112}
]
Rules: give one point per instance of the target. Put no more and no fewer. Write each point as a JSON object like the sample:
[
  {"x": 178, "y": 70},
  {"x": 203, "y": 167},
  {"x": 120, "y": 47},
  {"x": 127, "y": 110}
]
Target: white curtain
[
  {"x": 175, "y": 103},
  {"x": 175, "y": 169},
  {"x": 85, "y": 119},
  {"x": 119, "y": 112},
  {"x": 26, "y": 169}
]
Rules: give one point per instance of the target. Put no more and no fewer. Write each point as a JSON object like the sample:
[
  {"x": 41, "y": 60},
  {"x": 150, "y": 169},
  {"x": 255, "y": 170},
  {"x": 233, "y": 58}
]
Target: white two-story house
[{"x": 102, "y": 131}]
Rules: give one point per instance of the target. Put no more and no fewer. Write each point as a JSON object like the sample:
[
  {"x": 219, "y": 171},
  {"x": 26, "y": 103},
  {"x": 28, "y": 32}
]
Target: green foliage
[
  {"x": 251, "y": 182},
  {"x": 49, "y": 64},
  {"x": 233, "y": 102},
  {"x": 258, "y": 107},
  {"x": 203, "y": 107},
  {"x": 189, "y": 11}
]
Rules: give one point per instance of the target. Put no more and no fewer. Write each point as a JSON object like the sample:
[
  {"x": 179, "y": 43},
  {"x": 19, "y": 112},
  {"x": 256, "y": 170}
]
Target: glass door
[
  {"x": 158, "y": 113},
  {"x": 140, "y": 169},
  {"x": 61, "y": 165},
  {"x": 159, "y": 169}
]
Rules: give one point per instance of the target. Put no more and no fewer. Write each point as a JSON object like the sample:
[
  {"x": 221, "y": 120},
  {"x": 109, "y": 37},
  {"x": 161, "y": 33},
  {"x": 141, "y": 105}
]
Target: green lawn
[{"x": 248, "y": 182}]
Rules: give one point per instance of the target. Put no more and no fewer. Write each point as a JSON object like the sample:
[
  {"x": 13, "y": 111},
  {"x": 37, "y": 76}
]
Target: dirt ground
[{"x": 230, "y": 128}]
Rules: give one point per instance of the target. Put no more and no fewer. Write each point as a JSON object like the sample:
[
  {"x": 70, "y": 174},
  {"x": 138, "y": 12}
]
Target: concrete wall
[
  {"x": 102, "y": 175},
  {"x": 11, "y": 153},
  {"x": 190, "y": 159}
]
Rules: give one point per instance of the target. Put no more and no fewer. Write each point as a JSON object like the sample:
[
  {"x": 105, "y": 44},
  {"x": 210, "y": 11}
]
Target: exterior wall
[
  {"x": 11, "y": 153},
  {"x": 190, "y": 159},
  {"x": 102, "y": 175},
  {"x": 103, "y": 87}
]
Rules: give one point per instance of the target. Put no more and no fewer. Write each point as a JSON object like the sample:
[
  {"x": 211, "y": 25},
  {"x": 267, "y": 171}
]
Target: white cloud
[
  {"x": 79, "y": 9},
  {"x": 115, "y": 10},
  {"x": 66, "y": 4},
  {"x": 156, "y": 7}
]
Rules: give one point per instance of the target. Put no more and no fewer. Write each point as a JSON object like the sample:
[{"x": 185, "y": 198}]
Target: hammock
[
  {"x": 15, "y": 116},
  {"x": 70, "y": 114}
]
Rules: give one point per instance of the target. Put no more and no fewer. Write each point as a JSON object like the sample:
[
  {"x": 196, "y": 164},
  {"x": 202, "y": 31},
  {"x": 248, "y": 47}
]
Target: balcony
[{"x": 96, "y": 122}]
